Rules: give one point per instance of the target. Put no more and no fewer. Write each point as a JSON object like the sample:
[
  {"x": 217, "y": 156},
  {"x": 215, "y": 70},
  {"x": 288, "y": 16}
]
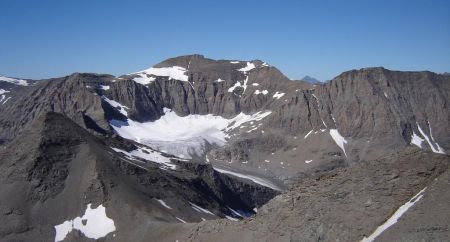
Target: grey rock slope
[
  {"x": 52, "y": 171},
  {"x": 347, "y": 204}
]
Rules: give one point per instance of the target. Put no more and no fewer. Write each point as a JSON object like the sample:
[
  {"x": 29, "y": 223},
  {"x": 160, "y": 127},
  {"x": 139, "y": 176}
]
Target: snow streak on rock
[
  {"x": 278, "y": 95},
  {"x": 339, "y": 139},
  {"x": 433, "y": 144},
  {"x": 164, "y": 204},
  {"x": 200, "y": 209},
  {"x": 394, "y": 218},
  {"x": 255, "y": 179},
  {"x": 116, "y": 105},
  {"x": 149, "y": 155}
]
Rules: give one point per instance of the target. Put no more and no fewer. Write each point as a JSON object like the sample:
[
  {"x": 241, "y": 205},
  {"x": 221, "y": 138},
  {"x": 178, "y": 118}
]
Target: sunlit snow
[
  {"x": 249, "y": 67},
  {"x": 144, "y": 79},
  {"x": 238, "y": 84},
  {"x": 164, "y": 204},
  {"x": 433, "y": 144},
  {"x": 116, "y": 105},
  {"x": 19, "y": 82},
  {"x": 2, "y": 93},
  {"x": 181, "y": 220},
  {"x": 416, "y": 140},
  {"x": 306, "y": 136},
  {"x": 94, "y": 224},
  {"x": 173, "y": 72},
  {"x": 200, "y": 209},
  {"x": 183, "y": 135},
  {"x": 255, "y": 179},
  {"x": 231, "y": 218},
  {"x": 149, "y": 155},
  {"x": 264, "y": 92},
  {"x": 104, "y": 87},
  {"x": 278, "y": 95},
  {"x": 339, "y": 139},
  {"x": 394, "y": 218}
]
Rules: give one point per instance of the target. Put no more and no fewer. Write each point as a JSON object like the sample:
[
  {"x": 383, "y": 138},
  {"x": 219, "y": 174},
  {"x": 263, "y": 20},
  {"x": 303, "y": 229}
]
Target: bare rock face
[
  {"x": 346, "y": 204},
  {"x": 70, "y": 95}
]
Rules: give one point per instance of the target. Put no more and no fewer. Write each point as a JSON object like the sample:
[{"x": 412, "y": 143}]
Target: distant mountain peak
[{"x": 311, "y": 80}]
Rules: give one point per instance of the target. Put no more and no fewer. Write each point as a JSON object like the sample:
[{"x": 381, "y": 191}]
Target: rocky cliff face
[{"x": 347, "y": 205}]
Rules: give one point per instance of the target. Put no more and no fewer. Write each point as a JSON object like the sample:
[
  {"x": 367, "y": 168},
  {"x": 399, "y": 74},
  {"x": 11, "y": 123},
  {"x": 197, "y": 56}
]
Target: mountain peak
[{"x": 311, "y": 80}]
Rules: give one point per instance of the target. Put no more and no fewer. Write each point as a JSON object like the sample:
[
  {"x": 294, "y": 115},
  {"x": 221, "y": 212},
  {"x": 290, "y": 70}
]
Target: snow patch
[
  {"x": 200, "y": 209},
  {"x": 173, "y": 72},
  {"x": 116, "y": 105},
  {"x": 183, "y": 135},
  {"x": 181, "y": 220},
  {"x": 19, "y": 82},
  {"x": 264, "y": 92},
  {"x": 416, "y": 140},
  {"x": 308, "y": 161},
  {"x": 433, "y": 145},
  {"x": 255, "y": 179},
  {"x": 324, "y": 124},
  {"x": 255, "y": 84},
  {"x": 144, "y": 79},
  {"x": 237, "y": 213},
  {"x": 5, "y": 100},
  {"x": 238, "y": 84},
  {"x": 278, "y": 95},
  {"x": 219, "y": 80},
  {"x": 231, "y": 218},
  {"x": 163, "y": 203},
  {"x": 234, "y": 62},
  {"x": 97, "y": 224},
  {"x": 339, "y": 139},
  {"x": 394, "y": 218},
  {"x": 149, "y": 155},
  {"x": 3, "y": 96},
  {"x": 306, "y": 136},
  {"x": 249, "y": 67},
  {"x": 104, "y": 87}
]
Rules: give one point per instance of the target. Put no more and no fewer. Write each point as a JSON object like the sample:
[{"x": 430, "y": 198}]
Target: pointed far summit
[{"x": 311, "y": 80}]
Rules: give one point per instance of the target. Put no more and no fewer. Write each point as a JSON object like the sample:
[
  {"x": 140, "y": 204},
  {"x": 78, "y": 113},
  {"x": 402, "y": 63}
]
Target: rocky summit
[{"x": 196, "y": 149}]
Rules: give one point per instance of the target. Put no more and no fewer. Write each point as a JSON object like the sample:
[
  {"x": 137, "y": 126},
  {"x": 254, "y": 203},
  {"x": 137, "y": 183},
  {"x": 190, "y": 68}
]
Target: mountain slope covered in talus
[{"x": 193, "y": 138}]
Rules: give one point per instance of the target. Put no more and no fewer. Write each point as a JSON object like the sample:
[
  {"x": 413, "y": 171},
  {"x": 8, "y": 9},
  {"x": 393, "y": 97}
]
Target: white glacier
[{"x": 183, "y": 136}]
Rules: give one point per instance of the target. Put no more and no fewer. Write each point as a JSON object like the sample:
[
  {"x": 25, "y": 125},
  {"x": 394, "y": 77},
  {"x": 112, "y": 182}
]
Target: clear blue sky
[{"x": 40, "y": 39}]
